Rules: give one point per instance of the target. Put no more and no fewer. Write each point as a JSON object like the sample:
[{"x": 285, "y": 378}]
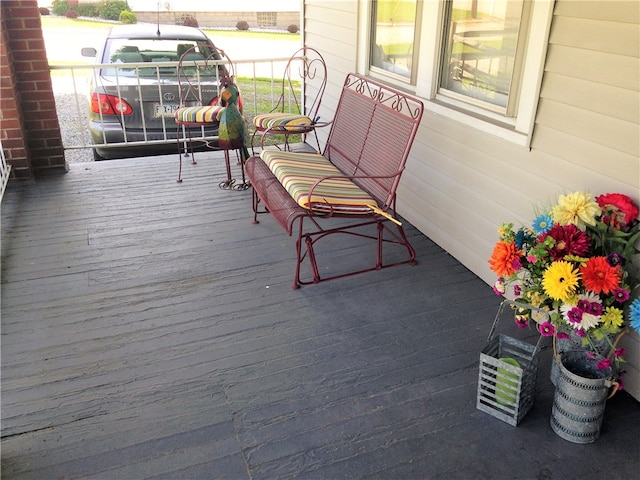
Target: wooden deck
[{"x": 149, "y": 330}]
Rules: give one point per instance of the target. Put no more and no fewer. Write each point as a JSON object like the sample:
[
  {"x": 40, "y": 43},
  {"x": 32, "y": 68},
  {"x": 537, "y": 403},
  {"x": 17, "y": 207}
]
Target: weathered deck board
[{"x": 149, "y": 331}]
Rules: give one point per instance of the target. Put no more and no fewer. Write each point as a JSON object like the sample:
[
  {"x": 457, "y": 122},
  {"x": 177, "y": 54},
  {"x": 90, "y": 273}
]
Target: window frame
[
  {"x": 517, "y": 129},
  {"x": 381, "y": 72}
]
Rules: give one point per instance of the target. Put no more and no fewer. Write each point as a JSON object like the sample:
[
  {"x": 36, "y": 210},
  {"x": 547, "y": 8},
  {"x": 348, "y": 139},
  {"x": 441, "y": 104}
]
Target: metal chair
[
  {"x": 296, "y": 111},
  {"x": 202, "y": 77}
]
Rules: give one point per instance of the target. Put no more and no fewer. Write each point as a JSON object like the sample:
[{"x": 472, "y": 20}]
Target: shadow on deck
[{"x": 149, "y": 331}]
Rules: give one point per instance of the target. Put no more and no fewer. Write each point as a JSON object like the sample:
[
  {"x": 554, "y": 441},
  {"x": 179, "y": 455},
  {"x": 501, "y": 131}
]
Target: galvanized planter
[
  {"x": 507, "y": 373},
  {"x": 580, "y": 398}
]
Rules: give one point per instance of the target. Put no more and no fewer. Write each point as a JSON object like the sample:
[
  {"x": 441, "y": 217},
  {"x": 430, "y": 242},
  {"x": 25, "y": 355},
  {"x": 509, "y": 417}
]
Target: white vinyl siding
[
  {"x": 461, "y": 183},
  {"x": 330, "y": 27}
]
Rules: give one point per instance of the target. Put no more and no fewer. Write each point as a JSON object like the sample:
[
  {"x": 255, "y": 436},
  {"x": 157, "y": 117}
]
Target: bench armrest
[{"x": 381, "y": 209}]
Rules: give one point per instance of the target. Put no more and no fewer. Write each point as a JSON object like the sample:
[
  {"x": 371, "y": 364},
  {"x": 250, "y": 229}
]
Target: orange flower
[
  {"x": 600, "y": 277},
  {"x": 505, "y": 259}
]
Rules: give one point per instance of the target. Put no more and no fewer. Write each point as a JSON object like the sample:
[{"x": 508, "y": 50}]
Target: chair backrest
[
  {"x": 303, "y": 83},
  {"x": 371, "y": 135},
  {"x": 194, "y": 69},
  {"x": 128, "y": 57}
]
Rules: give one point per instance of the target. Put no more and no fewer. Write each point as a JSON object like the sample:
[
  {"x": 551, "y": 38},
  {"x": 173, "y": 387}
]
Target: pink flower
[
  {"x": 547, "y": 329},
  {"x": 603, "y": 364},
  {"x": 620, "y": 352},
  {"x": 498, "y": 287},
  {"x": 522, "y": 321}
]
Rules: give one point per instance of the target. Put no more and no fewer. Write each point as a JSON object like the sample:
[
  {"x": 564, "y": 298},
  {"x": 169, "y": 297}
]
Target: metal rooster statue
[{"x": 232, "y": 132}]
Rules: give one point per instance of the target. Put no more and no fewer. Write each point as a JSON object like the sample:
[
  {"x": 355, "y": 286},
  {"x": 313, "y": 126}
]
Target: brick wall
[{"x": 29, "y": 127}]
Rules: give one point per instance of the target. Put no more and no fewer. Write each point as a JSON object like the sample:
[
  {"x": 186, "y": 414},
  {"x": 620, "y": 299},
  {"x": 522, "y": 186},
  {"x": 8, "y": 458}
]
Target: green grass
[
  {"x": 263, "y": 103},
  {"x": 284, "y": 36},
  {"x": 51, "y": 21}
]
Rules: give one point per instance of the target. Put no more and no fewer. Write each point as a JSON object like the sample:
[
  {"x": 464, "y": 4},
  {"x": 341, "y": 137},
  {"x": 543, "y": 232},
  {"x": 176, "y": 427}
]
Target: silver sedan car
[{"x": 133, "y": 99}]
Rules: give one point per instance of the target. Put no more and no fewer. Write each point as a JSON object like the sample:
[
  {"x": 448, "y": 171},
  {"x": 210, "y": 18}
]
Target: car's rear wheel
[{"x": 96, "y": 156}]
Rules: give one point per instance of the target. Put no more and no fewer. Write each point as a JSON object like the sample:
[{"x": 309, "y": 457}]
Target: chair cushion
[
  {"x": 282, "y": 122},
  {"x": 298, "y": 172},
  {"x": 199, "y": 114}
]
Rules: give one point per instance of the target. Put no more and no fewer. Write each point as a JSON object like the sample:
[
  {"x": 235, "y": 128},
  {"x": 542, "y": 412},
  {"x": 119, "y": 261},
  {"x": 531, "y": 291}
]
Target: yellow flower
[
  {"x": 576, "y": 208},
  {"x": 535, "y": 299},
  {"x": 560, "y": 280},
  {"x": 613, "y": 317}
]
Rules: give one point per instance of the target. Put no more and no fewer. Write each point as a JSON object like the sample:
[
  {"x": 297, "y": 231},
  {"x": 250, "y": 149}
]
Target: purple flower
[
  {"x": 621, "y": 295},
  {"x": 595, "y": 308},
  {"x": 517, "y": 264},
  {"x": 517, "y": 290},
  {"x": 583, "y": 304},
  {"x": 575, "y": 315},
  {"x": 614, "y": 259}
]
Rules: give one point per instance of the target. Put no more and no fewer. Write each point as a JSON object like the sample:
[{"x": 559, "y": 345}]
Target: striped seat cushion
[
  {"x": 282, "y": 122},
  {"x": 298, "y": 172},
  {"x": 199, "y": 114}
]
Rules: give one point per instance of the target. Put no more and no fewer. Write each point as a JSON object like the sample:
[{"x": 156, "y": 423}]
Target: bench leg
[
  {"x": 380, "y": 228},
  {"x": 405, "y": 241},
  {"x": 299, "y": 257},
  {"x": 255, "y": 202},
  {"x": 396, "y": 237}
]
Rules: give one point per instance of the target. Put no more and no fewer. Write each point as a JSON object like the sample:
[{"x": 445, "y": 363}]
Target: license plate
[{"x": 164, "y": 110}]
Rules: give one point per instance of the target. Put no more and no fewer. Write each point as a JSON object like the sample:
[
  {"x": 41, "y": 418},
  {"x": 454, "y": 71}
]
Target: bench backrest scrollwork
[{"x": 371, "y": 135}]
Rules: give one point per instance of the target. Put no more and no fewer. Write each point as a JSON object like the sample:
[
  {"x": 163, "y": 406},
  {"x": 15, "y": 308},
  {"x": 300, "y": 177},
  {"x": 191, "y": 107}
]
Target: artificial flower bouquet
[{"x": 575, "y": 262}]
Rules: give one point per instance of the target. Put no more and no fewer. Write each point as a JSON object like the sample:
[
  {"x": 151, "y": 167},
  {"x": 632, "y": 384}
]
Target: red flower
[
  {"x": 569, "y": 241},
  {"x": 618, "y": 210},
  {"x": 600, "y": 277}
]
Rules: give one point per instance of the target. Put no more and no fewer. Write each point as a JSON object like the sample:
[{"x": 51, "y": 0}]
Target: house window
[
  {"x": 482, "y": 52},
  {"x": 267, "y": 19},
  {"x": 479, "y": 62},
  {"x": 393, "y": 37}
]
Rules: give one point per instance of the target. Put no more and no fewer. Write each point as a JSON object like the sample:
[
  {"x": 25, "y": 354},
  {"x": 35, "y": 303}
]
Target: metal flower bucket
[
  {"x": 581, "y": 394},
  {"x": 507, "y": 373}
]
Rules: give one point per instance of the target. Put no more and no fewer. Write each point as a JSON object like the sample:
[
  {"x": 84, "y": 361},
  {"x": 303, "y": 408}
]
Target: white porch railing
[
  {"x": 5, "y": 171},
  {"x": 71, "y": 90}
]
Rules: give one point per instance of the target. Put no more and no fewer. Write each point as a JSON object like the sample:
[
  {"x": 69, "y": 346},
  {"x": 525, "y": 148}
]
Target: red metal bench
[{"x": 355, "y": 178}]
